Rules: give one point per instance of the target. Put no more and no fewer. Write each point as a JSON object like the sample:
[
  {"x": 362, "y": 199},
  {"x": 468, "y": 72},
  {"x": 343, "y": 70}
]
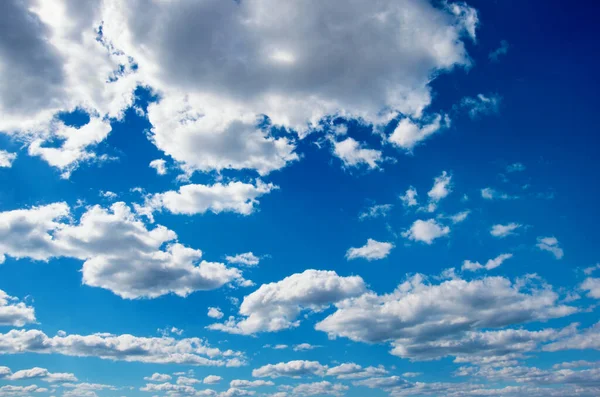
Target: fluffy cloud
[
  {"x": 550, "y": 244},
  {"x": 426, "y": 231},
  {"x": 160, "y": 165},
  {"x": 418, "y": 312},
  {"x": 237, "y": 197},
  {"x": 504, "y": 230},
  {"x": 156, "y": 377},
  {"x": 489, "y": 265},
  {"x": 323, "y": 388},
  {"x": 276, "y": 306},
  {"x": 164, "y": 350},
  {"x": 247, "y": 259},
  {"x": 409, "y": 134},
  {"x": 292, "y": 369},
  {"x": 13, "y": 312},
  {"x": 441, "y": 187},
  {"x": 371, "y": 251},
  {"x": 588, "y": 338},
  {"x": 6, "y": 159},
  {"x": 491, "y": 194},
  {"x": 119, "y": 253},
  {"x": 37, "y": 373},
  {"x": 212, "y": 379},
  {"x": 243, "y": 384},
  {"x": 409, "y": 199},
  {"x": 354, "y": 154},
  {"x": 304, "y": 347},
  {"x": 592, "y": 286},
  {"x": 215, "y": 312}
]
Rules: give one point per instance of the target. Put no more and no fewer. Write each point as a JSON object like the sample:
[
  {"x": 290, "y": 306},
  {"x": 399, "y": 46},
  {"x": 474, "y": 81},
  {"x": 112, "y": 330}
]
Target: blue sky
[{"x": 283, "y": 199}]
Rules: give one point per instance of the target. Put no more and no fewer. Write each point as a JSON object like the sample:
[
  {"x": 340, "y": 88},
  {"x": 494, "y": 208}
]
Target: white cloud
[
  {"x": 372, "y": 250},
  {"x": 355, "y": 371},
  {"x": 119, "y": 252},
  {"x": 164, "y": 350},
  {"x": 410, "y": 197},
  {"x": 244, "y": 384},
  {"x": 322, "y": 388},
  {"x": 13, "y": 312},
  {"x": 354, "y": 154},
  {"x": 441, "y": 187},
  {"x": 160, "y": 165},
  {"x": 591, "y": 269},
  {"x": 36, "y": 373},
  {"x": 491, "y": 194},
  {"x": 460, "y": 217},
  {"x": 489, "y": 265},
  {"x": 238, "y": 197},
  {"x": 592, "y": 286},
  {"x": 481, "y": 105},
  {"x": 305, "y": 346},
  {"x": 276, "y": 306},
  {"x": 6, "y": 159},
  {"x": 246, "y": 259},
  {"x": 550, "y": 244},
  {"x": 498, "y": 52},
  {"x": 184, "y": 380},
  {"x": 502, "y": 231},
  {"x": 426, "y": 231},
  {"x": 156, "y": 377},
  {"x": 212, "y": 379},
  {"x": 425, "y": 321},
  {"x": 376, "y": 211},
  {"x": 291, "y": 369},
  {"x": 588, "y": 338},
  {"x": 409, "y": 134},
  {"x": 215, "y": 312}
]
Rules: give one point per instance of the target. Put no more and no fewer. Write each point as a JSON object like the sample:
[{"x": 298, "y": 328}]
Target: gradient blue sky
[{"x": 287, "y": 135}]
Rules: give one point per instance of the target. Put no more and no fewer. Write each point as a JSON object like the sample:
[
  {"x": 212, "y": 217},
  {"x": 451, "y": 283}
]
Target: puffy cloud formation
[
  {"x": 156, "y": 377},
  {"x": 551, "y": 245},
  {"x": 212, "y": 379},
  {"x": 6, "y": 159},
  {"x": 215, "y": 312},
  {"x": 409, "y": 199},
  {"x": 244, "y": 384},
  {"x": 160, "y": 165},
  {"x": 502, "y": 231},
  {"x": 592, "y": 286},
  {"x": 36, "y": 373},
  {"x": 417, "y": 313},
  {"x": 276, "y": 306},
  {"x": 164, "y": 350},
  {"x": 489, "y": 265},
  {"x": 214, "y": 94},
  {"x": 376, "y": 211},
  {"x": 409, "y": 134},
  {"x": 246, "y": 259},
  {"x": 441, "y": 187},
  {"x": 119, "y": 253},
  {"x": 323, "y": 388},
  {"x": 290, "y": 369},
  {"x": 426, "y": 231},
  {"x": 373, "y": 250},
  {"x": 238, "y": 197},
  {"x": 354, "y": 154},
  {"x": 13, "y": 312}
]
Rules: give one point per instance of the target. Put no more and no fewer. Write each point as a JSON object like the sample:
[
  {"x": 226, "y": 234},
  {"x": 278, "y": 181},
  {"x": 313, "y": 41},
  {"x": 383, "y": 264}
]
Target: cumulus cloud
[
  {"x": 276, "y": 306},
  {"x": 238, "y": 197},
  {"x": 489, "y": 265},
  {"x": 6, "y": 159},
  {"x": 409, "y": 199},
  {"x": 118, "y": 251},
  {"x": 592, "y": 286},
  {"x": 212, "y": 379},
  {"x": 441, "y": 187},
  {"x": 160, "y": 165},
  {"x": 588, "y": 338},
  {"x": 426, "y": 231},
  {"x": 372, "y": 250},
  {"x": 409, "y": 134},
  {"x": 37, "y": 373},
  {"x": 14, "y": 312},
  {"x": 551, "y": 245},
  {"x": 417, "y": 313},
  {"x": 322, "y": 388},
  {"x": 156, "y": 377},
  {"x": 246, "y": 259},
  {"x": 291, "y": 369},
  {"x": 215, "y": 312},
  {"x": 354, "y": 154},
  {"x": 163, "y": 350},
  {"x": 502, "y": 231}
]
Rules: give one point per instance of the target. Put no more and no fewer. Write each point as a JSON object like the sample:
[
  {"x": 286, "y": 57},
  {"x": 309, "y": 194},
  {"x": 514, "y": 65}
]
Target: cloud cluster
[{"x": 13, "y": 312}]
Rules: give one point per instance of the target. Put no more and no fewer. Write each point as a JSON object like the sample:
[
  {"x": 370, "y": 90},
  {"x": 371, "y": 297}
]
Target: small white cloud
[
  {"x": 589, "y": 270},
  {"x": 592, "y": 286},
  {"x": 408, "y": 134},
  {"x": 441, "y": 187},
  {"x": 376, "y": 211},
  {"x": 354, "y": 154},
  {"x": 371, "y": 251},
  {"x": 212, "y": 379},
  {"x": 489, "y": 265},
  {"x": 550, "y": 244},
  {"x": 305, "y": 346},
  {"x": 6, "y": 159},
  {"x": 215, "y": 312},
  {"x": 247, "y": 259},
  {"x": 460, "y": 217},
  {"x": 410, "y": 197},
  {"x": 159, "y": 165},
  {"x": 500, "y": 51},
  {"x": 502, "y": 231},
  {"x": 108, "y": 194},
  {"x": 411, "y": 374},
  {"x": 490, "y": 194},
  {"x": 426, "y": 231},
  {"x": 481, "y": 105},
  {"x": 156, "y": 377}
]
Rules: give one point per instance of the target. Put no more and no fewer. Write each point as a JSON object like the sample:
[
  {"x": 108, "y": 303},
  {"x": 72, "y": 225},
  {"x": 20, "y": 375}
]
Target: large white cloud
[
  {"x": 164, "y": 350},
  {"x": 119, "y": 252},
  {"x": 418, "y": 312},
  {"x": 276, "y": 306},
  {"x": 13, "y": 312}
]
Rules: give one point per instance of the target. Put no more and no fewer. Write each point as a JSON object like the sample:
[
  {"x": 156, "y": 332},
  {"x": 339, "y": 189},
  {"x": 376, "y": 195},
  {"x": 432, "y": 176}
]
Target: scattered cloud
[
  {"x": 7, "y": 159},
  {"x": 215, "y": 312},
  {"x": 502, "y": 231},
  {"x": 245, "y": 259},
  {"x": 551, "y": 245},
  {"x": 500, "y": 51},
  {"x": 372, "y": 250},
  {"x": 160, "y": 165},
  {"x": 353, "y": 154},
  {"x": 489, "y": 265},
  {"x": 14, "y": 312},
  {"x": 408, "y": 134},
  {"x": 426, "y": 231},
  {"x": 481, "y": 105},
  {"x": 515, "y": 167},
  {"x": 376, "y": 211},
  {"x": 491, "y": 194},
  {"x": 409, "y": 199}
]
